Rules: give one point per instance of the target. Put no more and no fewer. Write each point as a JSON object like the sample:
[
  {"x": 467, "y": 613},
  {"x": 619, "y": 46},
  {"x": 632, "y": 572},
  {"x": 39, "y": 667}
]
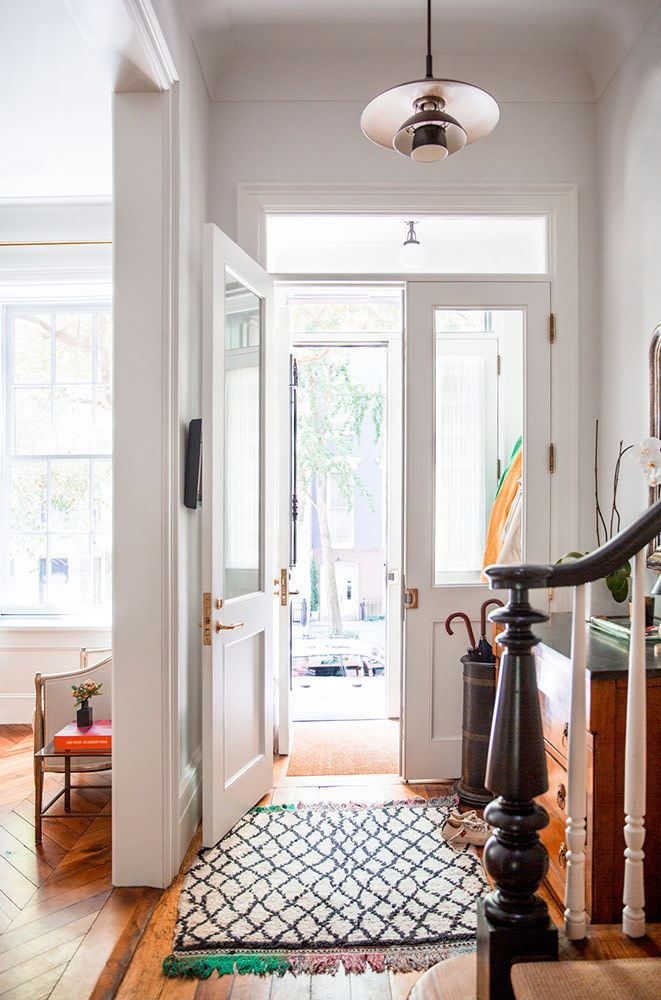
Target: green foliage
[
  {"x": 331, "y": 420},
  {"x": 617, "y": 581},
  {"x": 314, "y": 586}
]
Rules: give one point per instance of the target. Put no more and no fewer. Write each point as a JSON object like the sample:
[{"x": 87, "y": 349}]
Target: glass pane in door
[
  {"x": 478, "y": 421},
  {"x": 243, "y": 421}
]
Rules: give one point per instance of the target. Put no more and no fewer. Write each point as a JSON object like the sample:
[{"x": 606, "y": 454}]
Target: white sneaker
[{"x": 462, "y": 829}]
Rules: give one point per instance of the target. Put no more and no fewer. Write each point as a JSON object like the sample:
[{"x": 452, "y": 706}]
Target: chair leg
[
  {"x": 67, "y": 783},
  {"x": 38, "y": 797}
]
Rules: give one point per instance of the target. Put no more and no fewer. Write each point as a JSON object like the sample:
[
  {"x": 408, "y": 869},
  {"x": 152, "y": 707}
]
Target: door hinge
[
  {"x": 410, "y": 598},
  {"x": 498, "y": 470},
  {"x": 551, "y": 458},
  {"x": 499, "y": 366},
  {"x": 552, "y": 328},
  {"x": 551, "y": 594}
]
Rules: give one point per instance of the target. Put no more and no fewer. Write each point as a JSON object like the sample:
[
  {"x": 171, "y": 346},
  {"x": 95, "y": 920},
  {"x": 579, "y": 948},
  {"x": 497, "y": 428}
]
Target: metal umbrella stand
[{"x": 479, "y": 669}]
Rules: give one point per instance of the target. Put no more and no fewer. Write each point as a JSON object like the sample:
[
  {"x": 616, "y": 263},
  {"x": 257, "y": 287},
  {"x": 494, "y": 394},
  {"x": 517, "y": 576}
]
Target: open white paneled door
[
  {"x": 458, "y": 441},
  {"x": 239, "y": 495}
]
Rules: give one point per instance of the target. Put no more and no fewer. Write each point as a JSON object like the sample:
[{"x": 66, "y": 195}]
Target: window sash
[{"x": 95, "y": 537}]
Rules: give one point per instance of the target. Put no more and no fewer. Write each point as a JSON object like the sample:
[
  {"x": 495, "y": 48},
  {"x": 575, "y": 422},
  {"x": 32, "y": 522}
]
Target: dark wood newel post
[{"x": 512, "y": 921}]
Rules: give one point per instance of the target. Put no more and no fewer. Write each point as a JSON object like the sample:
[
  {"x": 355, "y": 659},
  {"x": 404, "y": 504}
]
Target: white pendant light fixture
[
  {"x": 412, "y": 255},
  {"x": 430, "y": 119}
]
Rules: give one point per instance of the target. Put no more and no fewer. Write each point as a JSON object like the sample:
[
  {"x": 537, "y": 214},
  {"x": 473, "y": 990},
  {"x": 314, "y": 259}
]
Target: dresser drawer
[
  {"x": 555, "y": 723},
  {"x": 553, "y": 836}
]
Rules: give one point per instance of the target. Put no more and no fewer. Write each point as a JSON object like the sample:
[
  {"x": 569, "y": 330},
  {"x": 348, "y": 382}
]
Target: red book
[{"x": 96, "y": 737}]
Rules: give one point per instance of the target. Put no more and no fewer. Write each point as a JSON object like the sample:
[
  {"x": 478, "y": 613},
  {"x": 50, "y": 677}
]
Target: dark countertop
[{"x": 605, "y": 654}]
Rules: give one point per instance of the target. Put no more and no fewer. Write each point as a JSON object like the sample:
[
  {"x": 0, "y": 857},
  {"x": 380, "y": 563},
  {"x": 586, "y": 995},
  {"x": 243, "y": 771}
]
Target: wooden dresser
[{"x": 606, "y": 693}]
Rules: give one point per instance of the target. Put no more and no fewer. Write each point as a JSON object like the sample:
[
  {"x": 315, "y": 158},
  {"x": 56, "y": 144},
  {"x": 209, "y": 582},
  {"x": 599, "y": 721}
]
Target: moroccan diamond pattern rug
[{"x": 307, "y": 888}]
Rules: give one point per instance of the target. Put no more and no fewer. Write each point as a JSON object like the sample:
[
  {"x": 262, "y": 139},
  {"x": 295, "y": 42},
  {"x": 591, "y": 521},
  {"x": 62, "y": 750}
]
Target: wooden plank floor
[
  {"x": 144, "y": 978},
  {"x": 60, "y": 919},
  {"x": 66, "y": 933}
]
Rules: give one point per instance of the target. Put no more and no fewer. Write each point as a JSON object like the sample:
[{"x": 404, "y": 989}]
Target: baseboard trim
[
  {"x": 16, "y": 708},
  {"x": 190, "y": 802}
]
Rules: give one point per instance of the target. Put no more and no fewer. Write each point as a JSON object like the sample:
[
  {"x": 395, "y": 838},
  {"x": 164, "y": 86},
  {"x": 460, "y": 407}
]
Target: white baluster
[
  {"x": 576, "y": 917},
  {"x": 633, "y": 914}
]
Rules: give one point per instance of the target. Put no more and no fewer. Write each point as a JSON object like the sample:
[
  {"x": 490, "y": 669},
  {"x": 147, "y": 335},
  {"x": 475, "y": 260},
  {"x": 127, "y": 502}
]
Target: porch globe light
[{"x": 412, "y": 254}]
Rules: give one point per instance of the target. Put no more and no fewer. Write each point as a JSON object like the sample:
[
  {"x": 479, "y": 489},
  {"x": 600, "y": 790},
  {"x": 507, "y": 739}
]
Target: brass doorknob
[
  {"x": 561, "y": 796},
  {"x": 223, "y": 628},
  {"x": 562, "y": 855}
]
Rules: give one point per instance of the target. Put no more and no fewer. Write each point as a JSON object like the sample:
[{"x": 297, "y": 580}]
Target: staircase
[{"x": 518, "y": 946}]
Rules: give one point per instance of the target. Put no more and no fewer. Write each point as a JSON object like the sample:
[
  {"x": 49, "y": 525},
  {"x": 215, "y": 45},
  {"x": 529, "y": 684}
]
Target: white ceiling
[
  {"x": 598, "y": 33},
  {"x": 55, "y": 110}
]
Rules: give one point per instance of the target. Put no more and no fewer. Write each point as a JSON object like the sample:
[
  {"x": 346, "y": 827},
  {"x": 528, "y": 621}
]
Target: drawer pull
[
  {"x": 561, "y": 796},
  {"x": 565, "y": 734},
  {"x": 562, "y": 855}
]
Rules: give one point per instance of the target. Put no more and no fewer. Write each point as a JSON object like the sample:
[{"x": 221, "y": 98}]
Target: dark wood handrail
[
  {"x": 595, "y": 566},
  {"x": 512, "y": 920}
]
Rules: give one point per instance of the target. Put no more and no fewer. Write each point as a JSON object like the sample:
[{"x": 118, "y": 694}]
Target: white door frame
[
  {"x": 395, "y": 490},
  {"x": 558, "y": 202},
  {"x": 148, "y": 800}
]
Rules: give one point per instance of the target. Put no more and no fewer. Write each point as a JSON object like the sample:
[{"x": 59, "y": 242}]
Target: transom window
[{"x": 57, "y": 461}]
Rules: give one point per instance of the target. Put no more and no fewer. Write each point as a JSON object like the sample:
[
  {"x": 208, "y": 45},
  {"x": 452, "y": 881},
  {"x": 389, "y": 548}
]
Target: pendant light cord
[{"x": 430, "y": 72}]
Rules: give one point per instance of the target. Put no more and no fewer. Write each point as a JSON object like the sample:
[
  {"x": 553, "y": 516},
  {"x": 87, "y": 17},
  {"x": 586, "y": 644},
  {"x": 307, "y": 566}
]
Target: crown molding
[{"x": 128, "y": 43}]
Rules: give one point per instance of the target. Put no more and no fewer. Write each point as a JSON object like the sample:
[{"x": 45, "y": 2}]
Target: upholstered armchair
[{"x": 54, "y": 708}]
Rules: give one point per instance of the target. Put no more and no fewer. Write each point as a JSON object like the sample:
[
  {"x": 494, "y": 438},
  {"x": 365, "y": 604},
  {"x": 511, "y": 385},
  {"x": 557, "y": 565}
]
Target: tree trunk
[{"x": 328, "y": 560}]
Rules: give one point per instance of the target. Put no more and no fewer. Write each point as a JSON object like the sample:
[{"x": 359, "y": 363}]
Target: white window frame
[{"x": 74, "y": 298}]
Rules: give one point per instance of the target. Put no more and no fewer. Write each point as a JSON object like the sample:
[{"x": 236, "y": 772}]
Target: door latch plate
[
  {"x": 410, "y": 598},
  {"x": 206, "y": 619}
]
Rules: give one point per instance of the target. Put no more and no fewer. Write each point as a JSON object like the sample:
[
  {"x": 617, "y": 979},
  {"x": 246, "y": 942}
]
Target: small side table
[{"x": 40, "y": 811}]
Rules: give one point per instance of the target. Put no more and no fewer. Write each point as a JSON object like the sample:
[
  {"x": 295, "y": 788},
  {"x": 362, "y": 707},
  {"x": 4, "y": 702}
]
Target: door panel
[
  {"x": 237, "y": 538},
  {"x": 451, "y": 472}
]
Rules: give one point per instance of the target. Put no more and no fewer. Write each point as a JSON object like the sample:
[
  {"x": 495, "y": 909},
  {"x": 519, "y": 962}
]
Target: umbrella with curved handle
[
  {"x": 466, "y": 620},
  {"x": 484, "y": 647},
  {"x": 483, "y": 614}
]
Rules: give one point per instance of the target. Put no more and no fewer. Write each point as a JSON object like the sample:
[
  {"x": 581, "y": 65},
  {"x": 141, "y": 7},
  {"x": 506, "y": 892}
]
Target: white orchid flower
[{"x": 648, "y": 451}]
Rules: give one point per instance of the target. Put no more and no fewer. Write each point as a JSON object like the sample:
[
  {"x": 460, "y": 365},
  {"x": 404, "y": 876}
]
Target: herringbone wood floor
[{"x": 62, "y": 926}]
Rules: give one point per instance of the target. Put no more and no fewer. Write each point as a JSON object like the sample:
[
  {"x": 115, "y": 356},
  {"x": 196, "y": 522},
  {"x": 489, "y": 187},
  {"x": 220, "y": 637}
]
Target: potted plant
[
  {"x": 81, "y": 695},
  {"x": 605, "y": 597}
]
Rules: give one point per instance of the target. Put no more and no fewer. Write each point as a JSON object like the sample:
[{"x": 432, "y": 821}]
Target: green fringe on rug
[
  {"x": 266, "y": 809},
  {"x": 202, "y": 967}
]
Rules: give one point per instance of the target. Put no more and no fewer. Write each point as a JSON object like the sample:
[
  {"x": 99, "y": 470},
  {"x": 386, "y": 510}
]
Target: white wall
[
  {"x": 537, "y": 141},
  {"x": 157, "y": 541},
  {"x": 55, "y": 107},
  {"x": 193, "y": 179},
  {"x": 629, "y": 162},
  {"x": 44, "y": 648}
]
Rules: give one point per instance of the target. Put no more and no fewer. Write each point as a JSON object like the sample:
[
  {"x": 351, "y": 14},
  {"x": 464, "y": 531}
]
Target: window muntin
[{"x": 57, "y": 467}]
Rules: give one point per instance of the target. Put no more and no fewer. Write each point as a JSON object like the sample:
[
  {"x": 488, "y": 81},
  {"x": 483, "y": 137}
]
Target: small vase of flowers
[{"x": 81, "y": 695}]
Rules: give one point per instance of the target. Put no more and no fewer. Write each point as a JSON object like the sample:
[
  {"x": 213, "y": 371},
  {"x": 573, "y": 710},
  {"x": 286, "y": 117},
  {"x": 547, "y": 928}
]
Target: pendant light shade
[
  {"x": 412, "y": 255},
  {"x": 429, "y": 119}
]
